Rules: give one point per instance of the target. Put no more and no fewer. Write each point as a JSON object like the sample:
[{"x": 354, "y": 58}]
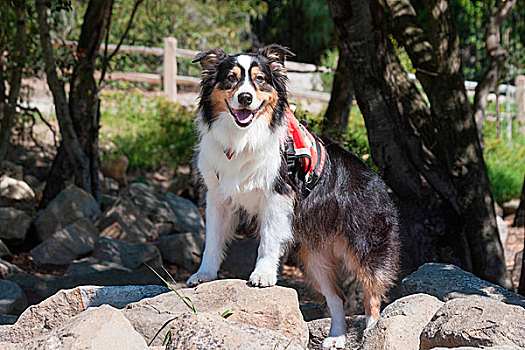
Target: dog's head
[{"x": 245, "y": 88}]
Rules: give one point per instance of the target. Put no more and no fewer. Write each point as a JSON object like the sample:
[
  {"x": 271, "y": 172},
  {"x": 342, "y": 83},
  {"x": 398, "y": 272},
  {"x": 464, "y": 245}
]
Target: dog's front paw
[
  {"x": 199, "y": 278},
  {"x": 263, "y": 278},
  {"x": 331, "y": 343}
]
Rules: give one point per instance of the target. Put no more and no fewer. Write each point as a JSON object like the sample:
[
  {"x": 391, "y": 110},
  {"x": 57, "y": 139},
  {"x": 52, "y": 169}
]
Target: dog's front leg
[
  {"x": 219, "y": 222},
  {"x": 276, "y": 232}
]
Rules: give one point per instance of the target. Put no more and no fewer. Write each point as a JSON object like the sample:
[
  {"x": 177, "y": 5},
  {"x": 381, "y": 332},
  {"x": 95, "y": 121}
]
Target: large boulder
[
  {"x": 320, "y": 329},
  {"x": 12, "y": 299},
  {"x": 38, "y": 288},
  {"x": 4, "y": 251},
  {"x": 240, "y": 258},
  {"x": 475, "y": 321},
  {"x": 446, "y": 282},
  {"x": 68, "y": 207},
  {"x": 210, "y": 331},
  {"x": 66, "y": 245},
  {"x": 14, "y": 224},
  {"x": 102, "y": 327},
  {"x": 57, "y": 309},
  {"x": 125, "y": 254},
  {"x": 275, "y": 308},
  {"x": 401, "y": 323},
  {"x": 182, "y": 249},
  {"x": 138, "y": 216},
  {"x": 187, "y": 216}
]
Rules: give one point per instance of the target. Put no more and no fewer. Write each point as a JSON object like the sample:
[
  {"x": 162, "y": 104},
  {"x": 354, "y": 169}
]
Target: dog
[{"x": 344, "y": 220}]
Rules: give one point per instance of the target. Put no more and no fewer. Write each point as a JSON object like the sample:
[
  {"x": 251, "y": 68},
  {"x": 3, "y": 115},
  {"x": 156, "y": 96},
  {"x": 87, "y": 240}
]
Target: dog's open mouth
[{"x": 243, "y": 117}]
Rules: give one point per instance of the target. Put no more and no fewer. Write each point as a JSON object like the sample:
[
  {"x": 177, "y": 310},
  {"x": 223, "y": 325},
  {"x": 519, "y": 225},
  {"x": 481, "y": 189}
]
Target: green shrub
[{"x": 150, "y": 131}]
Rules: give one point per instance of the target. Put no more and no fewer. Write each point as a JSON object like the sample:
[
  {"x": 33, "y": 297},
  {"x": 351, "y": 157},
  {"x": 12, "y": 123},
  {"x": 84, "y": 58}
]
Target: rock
[
  {"x": 138, "y": 216},
  {"x": 57, "y": 309},
  {"x": 446, "y": 282},
  {"x": 15, "y": 189},
  {"x": 498, "y": 209},
  {"x": 12, "y": 299},
  {"x": 475, "y": 321},
  {"x": 182, "y": 249},
  {"x": 68, "y": 207},
  {"x": 240, "y": 258},
  {"x": 107, "y": 201},
  {"x": 14, "y": 224},
  {"x": 511, "y": 206},
  {"x": 38, "y": 288},
  {"x": 66, "y": 245},
  {"x": 516, "y": 271},
  {"x": 320, "y": 329},
  {"x": 7, "y": 319},
  {"x": 274, "y": 308},
  {"x": 127, "y": 255},
  {"x": 502, "y": 229},
  {"x": 4, "y": 251},
  {"x": 209, "y": 331},
  {"x": 90, "y": 264},
  {"x": 503, "y": 347},
  {"x": 187, "y": 216},
  {"x": 102, "y": 327},
  {"x": 116, "y": 169},
  {"x": 7, "y": 268},
  {"x": 401, "y": 323}
]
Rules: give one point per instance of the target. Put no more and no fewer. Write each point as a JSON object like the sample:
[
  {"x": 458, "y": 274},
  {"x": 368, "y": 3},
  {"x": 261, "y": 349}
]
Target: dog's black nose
[{"x": 245, "y": 98}]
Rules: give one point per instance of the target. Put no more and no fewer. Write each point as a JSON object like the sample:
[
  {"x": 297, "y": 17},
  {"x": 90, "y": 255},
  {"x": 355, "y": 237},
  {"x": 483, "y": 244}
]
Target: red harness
[{"x": 303, "y": 145}]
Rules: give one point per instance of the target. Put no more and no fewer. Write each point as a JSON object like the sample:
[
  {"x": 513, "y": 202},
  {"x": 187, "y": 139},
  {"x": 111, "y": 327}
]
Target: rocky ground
[{"x": 75, "y": 274}]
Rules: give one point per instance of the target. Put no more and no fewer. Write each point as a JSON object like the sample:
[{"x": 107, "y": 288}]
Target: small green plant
[{"x": 227, "y": 313}]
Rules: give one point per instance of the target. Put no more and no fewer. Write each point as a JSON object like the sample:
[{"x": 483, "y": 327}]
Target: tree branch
[{"x": 71, "y": 142}]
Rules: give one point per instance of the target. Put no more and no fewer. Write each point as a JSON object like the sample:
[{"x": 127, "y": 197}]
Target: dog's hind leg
[
  {"x": 320, "y": 268},
  {"x": 220, "y": 221},
  {"x": 276, "y": 233}
]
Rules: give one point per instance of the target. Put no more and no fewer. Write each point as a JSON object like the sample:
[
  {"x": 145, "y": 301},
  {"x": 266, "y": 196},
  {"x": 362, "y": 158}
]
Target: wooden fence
[{"x": 169, "y": 79}]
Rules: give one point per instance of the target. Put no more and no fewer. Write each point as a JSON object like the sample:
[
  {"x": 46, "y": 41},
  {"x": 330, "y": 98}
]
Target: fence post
[
  {"x": 520, "y": 102},
  {"x": 170, "y": 68}
]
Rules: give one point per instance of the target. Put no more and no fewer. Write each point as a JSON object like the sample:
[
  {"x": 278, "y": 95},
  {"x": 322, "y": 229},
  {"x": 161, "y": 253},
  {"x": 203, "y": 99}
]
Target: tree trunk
[
  {"x": 519, "y": 219},
  {"x": 18, "y": 57},
  {"x": 82, "y": 109},
  {"x": 430, "y": 157},
  {"x": 497, "y": 56},
  {"x": 340, "y": 105}
]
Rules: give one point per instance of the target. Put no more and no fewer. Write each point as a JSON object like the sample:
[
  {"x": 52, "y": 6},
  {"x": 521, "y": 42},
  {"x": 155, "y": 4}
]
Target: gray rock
[
  {"x": 15, "y": 189},
  {"x": 66, "y": 245},
  {"x": 446, "y": 282},
  {"x": 274, "y": 308},
  {"x": 182, "y": 249},
  {"x": 7, "y": 319},
  {"x": 187, "y": 215},
  {"x": 90, "y": 265},
  {"x": 14, "y": 224},
  {"x": 38, "y": 288},
  {"x": 12, "y": 299},
  {"x": 502, "y": 347},
  {"x": 138, "y": 216},
  {"x": 57, "y": 309},
  {"x": 240, "y": 258},
  {"x": 209, "y": 331},
  {"x": 320, "y": 329},
  {"x": 401, "y": 323},
  {"x": 103, "y": 327},
  {"x": 7, "y": 268},
  {"x": 511, "y": 206},
  {"x": 68, "y": 207},
  {"x": 4, "y": 251},
  {"x": 127, "y": 255},
  {"x": 475, "y": 321}
]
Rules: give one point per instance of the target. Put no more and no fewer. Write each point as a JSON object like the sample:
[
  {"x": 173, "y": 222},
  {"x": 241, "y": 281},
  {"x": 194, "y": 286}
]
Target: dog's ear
[
  {"x": 209, "y": 59},
  {"x": 276, "y": 54}
]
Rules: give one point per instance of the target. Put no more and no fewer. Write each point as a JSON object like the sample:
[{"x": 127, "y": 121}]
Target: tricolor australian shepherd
[{"x": 345, "y": 220}]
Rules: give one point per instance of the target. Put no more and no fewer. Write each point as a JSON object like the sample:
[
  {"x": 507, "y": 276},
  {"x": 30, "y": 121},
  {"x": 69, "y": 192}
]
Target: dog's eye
[
  {"x": 259, "y": 79},
  {"x": 232, "y": 78}
]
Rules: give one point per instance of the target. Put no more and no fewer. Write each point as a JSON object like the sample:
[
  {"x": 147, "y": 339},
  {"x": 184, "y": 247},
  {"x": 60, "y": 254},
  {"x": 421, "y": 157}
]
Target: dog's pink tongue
[{"x": 243, "y": 115}]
